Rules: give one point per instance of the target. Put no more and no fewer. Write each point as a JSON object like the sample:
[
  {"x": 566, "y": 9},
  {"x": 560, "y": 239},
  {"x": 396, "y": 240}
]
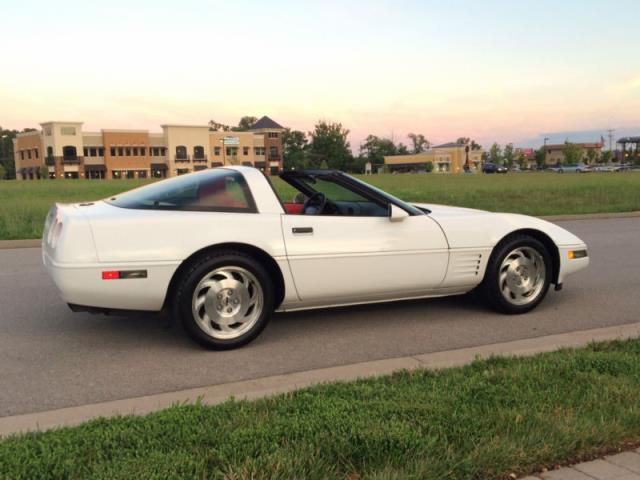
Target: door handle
[{"x": 297, "y": 230}]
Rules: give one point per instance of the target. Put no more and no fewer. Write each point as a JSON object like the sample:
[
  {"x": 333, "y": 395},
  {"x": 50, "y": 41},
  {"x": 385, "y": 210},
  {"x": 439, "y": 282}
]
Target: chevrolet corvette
[{"x": 221, "y": 251}]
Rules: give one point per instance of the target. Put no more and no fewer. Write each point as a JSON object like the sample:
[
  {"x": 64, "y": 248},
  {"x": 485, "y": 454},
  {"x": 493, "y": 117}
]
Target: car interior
[{"x": 326, "y": 194}]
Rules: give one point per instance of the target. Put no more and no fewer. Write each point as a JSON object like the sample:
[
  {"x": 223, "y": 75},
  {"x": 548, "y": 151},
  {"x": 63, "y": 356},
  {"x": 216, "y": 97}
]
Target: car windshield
[{"x": 217, "y": 189}]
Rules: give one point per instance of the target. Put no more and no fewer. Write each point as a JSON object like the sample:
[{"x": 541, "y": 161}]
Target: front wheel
[
  {"x": 224, "y": 300},
  {"x": 518, "y": 275}
]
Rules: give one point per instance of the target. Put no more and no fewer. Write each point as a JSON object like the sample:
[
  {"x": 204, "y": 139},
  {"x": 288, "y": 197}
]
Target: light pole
[{"x": 546, "y": 139}]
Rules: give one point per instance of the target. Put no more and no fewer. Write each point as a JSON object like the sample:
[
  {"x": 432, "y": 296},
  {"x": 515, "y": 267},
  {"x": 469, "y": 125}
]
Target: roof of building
[
  {"x": 629, "y": 140},
  {"x": 265, "y": 122},
  {"x": 560, "y": 146},
  {"x": 450, "y": 145}
]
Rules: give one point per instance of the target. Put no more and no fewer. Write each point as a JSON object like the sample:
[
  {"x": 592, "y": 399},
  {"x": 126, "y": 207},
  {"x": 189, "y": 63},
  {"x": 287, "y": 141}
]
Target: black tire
[
  {"x": 490, "y": 290},
  {"x": 198, "y": 269}
]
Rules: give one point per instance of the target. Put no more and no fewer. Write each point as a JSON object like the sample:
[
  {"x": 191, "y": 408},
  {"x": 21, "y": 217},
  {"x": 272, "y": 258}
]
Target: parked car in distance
[
  {"x": 578, "y": 168},
  {"x": 604, "y": 168},
  {"x": 493, "y": 168},
  {"x": 221, "y": 250}
]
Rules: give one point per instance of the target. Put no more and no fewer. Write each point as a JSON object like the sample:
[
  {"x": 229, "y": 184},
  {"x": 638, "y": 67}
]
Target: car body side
[{"x": 83, "y": 240}]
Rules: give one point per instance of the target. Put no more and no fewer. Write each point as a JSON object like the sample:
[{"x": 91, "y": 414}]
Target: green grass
[
  {"x": 23, "y": 205},
  {"x": 485, "y": 420}
]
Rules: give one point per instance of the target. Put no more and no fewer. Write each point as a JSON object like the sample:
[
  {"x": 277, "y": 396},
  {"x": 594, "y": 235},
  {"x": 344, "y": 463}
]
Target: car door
[{"x": 342, "y": 259}]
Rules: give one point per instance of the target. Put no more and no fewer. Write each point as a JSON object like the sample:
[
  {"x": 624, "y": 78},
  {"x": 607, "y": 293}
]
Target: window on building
[
  {"x": 127, "y": 151},
  {"x": 130, "y": 174},
  {"x": 181, "y": 152},
  {"x": 142, "y": 174},
  {"x": 29, "y": 154},
  {"x": 112, "y": 151},
  {"x": 272, "y": 134},
  {"x": 67, "y": 130},
  {"x": 69, "y": 152},
  {"x": 198, "y": 152},
  {"x": 216, "y": 151},
  {"x": 232, "y": 151},
  {"x": 36, "y": 152},
  {"x": 49, "y": 151},
  {"x": 143, "y": 151},
  {"x": 47, "y": 131},
  {"x": 273, "y": 153},
  {"x": 163, "y": 151},
  {"x": 120, "y": 151},
  {"x": 116, "y": 174},
  {"x": 85, "y": 151},
  {"x": 245, "y": 151},
  {"x": 259, "y": 151},
  {"x": 135, "y": 151},
  {"x": 101, "y": 151}
]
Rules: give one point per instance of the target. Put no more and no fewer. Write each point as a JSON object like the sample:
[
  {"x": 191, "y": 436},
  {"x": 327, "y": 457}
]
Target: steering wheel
[{"x": 315, "y": 204}]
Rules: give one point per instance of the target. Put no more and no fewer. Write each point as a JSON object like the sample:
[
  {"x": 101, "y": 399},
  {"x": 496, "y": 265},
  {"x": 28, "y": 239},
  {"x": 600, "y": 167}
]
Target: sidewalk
[{"x": 623, "y": 466}]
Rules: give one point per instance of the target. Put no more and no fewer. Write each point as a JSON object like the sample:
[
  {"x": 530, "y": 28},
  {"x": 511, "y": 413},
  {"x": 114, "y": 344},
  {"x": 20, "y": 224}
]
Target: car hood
[{"x": 471, "y": 228}]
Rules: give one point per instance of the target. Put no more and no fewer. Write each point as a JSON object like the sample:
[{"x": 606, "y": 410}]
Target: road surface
[{"x": 53, "y": 358}]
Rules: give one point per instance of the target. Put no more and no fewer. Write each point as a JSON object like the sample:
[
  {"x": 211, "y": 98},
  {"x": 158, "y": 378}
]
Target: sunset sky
[{"x": 506, "y": 71}]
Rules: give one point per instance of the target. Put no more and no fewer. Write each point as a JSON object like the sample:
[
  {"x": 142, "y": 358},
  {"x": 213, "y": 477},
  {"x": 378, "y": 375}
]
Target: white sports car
[{"x": 221, "y": 251}]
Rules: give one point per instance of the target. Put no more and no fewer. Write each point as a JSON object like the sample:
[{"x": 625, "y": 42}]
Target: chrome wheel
[
  {"x": 227, "y": 302},
  {"x": 522, "y": 275}
]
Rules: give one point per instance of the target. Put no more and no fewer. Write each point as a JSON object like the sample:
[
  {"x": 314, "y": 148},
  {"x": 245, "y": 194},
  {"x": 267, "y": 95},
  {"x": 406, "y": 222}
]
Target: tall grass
[{"x": 23, "y": 205}]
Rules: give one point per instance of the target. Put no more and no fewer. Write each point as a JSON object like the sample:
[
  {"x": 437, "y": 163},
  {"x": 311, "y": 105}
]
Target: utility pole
[{"x": 611, "y": 130}]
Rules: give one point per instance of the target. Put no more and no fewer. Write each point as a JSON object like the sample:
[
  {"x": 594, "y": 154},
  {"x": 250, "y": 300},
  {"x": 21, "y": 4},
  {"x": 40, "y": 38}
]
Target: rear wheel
[
  {"x": 224, "y": 300},
  {"x": 518, "y": 275}
]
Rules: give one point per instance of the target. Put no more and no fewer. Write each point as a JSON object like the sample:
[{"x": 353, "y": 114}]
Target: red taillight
[{"x": 111, "y": 275}]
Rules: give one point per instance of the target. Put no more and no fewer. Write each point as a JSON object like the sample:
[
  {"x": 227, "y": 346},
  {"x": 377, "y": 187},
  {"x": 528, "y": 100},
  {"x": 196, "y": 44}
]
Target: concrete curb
[
  {"x": 591, "y": 216},
  {"x": 35, "y": 243},
  {"x": 267, "y": 386}
]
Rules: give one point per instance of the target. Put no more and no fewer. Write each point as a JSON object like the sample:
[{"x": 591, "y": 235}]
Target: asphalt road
[{"x": 52, "y": 358}]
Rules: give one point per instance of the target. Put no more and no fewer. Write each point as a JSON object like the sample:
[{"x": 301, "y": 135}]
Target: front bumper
[{"x": 570, "y": 265}]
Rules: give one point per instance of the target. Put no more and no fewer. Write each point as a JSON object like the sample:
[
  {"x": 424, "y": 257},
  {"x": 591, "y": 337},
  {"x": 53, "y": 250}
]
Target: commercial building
[
  {"x": 554, "y": 154},
  {"x": 63, "y": 150},
  {"x": 446, "y": 158}
]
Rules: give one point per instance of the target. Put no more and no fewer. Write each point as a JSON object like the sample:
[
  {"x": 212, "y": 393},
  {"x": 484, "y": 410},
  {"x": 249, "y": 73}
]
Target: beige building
[
  {"x": 554, "y": 154},
  {"x": 446, "y": 158},
  {"x": 68, "y": 152}
]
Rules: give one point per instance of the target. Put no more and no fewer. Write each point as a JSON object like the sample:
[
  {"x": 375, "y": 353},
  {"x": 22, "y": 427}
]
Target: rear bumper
[
  {"x": 82, "y": 284},
  {"x": 571, "y": 265}
]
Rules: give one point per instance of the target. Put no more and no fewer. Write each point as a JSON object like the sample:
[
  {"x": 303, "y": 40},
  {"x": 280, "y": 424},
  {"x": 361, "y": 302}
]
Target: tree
[
  {"x": 606, "y": 157},
  {"x": 3, "y": 172},
  {"x": 218, "y": 127},
  {"x": 522, "y": 160},
  {"x": 419, "y": 142},
  {"x": 6, "y": 151},
  {"x": 592, "y": 156},
  {"x": 375, "y": 149},
  {"x": 509, "y": 155},
  {"x": 328, "y": 141},
  {"x": 44, "y": 172},
  {"x": 540, "y": 157},
  {"x": 572, "y": 152},
  {"x": 495, "y": 154},
  {"x": 295, "y": 145},
  {"x": 401, "y": 149},
  {"x": 428, "y": 167},
  {"x": 245, "y": 123},
  {"x": 467, "y": 141}
]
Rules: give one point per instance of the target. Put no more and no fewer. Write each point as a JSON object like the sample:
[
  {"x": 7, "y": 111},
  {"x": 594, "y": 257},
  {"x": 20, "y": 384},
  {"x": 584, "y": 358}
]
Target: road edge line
[{"x": 277, "y": 384}]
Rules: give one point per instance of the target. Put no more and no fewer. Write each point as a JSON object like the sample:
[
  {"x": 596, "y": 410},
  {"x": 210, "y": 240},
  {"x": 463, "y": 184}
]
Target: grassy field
[
  {"x": 23, "y": 205},
  {"x": 486, "y": 420}
]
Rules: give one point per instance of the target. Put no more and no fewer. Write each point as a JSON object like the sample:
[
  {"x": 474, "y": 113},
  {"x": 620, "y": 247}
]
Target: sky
[{"x": 492, "y": 70}]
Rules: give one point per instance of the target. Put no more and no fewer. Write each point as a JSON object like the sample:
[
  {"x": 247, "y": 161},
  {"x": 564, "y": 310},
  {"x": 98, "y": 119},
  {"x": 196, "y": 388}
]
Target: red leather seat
[{"x": 293, "y": 208}]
